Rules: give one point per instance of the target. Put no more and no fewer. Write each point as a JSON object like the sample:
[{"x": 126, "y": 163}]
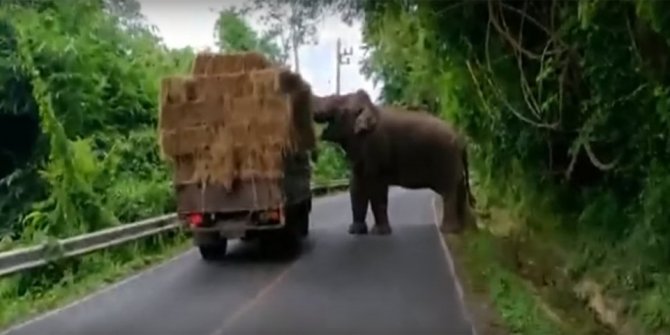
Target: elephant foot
[
  {"x": 358, "y": 228},
  {"x": 381, "y": 229}
]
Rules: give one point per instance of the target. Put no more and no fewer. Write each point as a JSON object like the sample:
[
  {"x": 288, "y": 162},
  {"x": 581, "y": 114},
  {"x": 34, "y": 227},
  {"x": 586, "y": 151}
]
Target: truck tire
[
  {"x": 303, "y": 218},
  {"x": 213, "y": 252},
  {"x": 298, "y": 219}
]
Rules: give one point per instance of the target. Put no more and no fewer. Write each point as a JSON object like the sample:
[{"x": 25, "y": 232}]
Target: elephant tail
[{"x": 464, "y": 157}]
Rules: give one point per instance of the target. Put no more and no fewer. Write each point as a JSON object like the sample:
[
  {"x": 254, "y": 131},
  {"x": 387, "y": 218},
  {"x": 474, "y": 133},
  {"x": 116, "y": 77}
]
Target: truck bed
[{"x": 248, "y": 195}]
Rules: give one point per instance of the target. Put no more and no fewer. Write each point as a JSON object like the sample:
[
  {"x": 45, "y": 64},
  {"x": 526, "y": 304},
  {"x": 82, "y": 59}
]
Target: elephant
[{"x": 389, "y": 146}]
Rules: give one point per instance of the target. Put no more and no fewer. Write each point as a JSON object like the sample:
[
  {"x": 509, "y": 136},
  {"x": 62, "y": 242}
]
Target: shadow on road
[{"x": 256, "y": 253}]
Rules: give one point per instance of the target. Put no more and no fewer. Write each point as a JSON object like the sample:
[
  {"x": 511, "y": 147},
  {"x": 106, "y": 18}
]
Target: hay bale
[
  {"x": 265, "y": 82},
  {"x": 217, "y": 162},
  {"x": 235, "y": 84},
  {"x": 184, "y": 170},
  {"x": 207, "y": 63},
  {"x": 256, "y": 61},
  {"x": 276, "y": 81},
  {"x": 302, "y": 129},
  {"x": 228, "y": 63},
  {"x": 190, "y": 114},
  {"x": 217, "y": 112},
  {"x": 244, "y": 110},
  {"x": 208, "y": 88},
  {"x": 169, "y": 143},
  {"x": 212, "y": 64},
  {"x": 202, "y": 63},
  {"x": 185, "y": 141},
  {"x": 234, "y": 119},
  {"x": 177, "y": 89}
]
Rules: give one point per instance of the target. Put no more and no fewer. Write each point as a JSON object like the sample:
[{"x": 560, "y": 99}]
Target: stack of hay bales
[{"x": 235, "y": 117}]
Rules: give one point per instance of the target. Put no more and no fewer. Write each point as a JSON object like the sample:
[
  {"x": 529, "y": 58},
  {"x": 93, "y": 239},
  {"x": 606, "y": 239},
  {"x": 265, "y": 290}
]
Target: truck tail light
[
  {"x": 271, "y": 215},
  {"x": 195, "y": 219},
  {"x": 274, "y": 215}
]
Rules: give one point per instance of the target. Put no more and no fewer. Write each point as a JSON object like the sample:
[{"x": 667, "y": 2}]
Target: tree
[
  {"x": 292, "y": 21},
  {"x": 233, "y": 33}
]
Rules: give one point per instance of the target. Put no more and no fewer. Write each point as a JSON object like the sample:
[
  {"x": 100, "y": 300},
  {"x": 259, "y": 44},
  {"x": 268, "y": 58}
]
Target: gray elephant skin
[{"x": 390, "y": 146}]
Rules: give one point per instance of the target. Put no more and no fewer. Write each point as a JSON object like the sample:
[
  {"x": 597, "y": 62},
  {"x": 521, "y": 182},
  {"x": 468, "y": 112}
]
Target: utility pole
[{"x": 342, "y": 58}]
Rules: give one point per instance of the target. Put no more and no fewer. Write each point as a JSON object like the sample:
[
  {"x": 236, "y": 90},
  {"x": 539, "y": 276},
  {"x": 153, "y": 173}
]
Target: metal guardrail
[{"x": 27, "y": 258}]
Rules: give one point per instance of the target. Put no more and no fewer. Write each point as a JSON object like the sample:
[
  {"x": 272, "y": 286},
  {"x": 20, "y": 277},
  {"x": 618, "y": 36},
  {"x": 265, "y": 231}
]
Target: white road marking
[{"x": 452, "y": 269}]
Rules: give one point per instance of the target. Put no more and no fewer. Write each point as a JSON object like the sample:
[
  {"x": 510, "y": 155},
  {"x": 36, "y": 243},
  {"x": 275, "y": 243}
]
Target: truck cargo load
[{"x": 237, "y": 133}]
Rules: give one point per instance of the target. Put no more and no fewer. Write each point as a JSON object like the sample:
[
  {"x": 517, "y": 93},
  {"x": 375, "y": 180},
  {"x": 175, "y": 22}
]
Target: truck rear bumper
[{"x": 230, "y": 229}]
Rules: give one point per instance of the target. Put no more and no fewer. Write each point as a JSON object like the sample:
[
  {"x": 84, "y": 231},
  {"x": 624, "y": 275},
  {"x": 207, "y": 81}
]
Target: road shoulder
[{"x": 483, "y": 315}]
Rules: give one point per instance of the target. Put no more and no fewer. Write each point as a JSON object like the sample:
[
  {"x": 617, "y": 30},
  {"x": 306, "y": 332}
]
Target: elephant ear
[{"x": 368, "y": 114}]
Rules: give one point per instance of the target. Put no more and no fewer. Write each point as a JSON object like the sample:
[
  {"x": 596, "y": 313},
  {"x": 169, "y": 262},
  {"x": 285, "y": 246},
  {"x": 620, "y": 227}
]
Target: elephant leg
[
  {"x": 359, "y": 206},
  {"x": 465, "y": 216},
  {"x": 379, "y": 204},
  {"x": 450, "y": 221}
]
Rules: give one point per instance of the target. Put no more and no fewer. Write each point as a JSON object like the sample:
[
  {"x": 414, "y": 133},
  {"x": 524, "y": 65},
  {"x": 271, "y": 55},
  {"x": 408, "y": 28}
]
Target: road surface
[{"x": 340, "y": 284}]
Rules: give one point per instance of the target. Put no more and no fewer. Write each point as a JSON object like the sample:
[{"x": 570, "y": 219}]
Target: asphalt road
[{"x": 339, "y": 284}]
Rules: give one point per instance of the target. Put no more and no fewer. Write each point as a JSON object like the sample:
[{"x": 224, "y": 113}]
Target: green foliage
[
  {"x": 293, "y": 22},
  {"x": 86, "y": 78},
  {"x": 233, "y": 33},
  {"x": 331, "y": 163},
  {"x": 90, "y": 84},
  {"x": 567, "y": 98},
  {"x": 520, "y": 310}
]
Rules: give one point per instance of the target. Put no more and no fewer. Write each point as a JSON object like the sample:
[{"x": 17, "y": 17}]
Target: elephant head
[{"x": 346, "y": 115}]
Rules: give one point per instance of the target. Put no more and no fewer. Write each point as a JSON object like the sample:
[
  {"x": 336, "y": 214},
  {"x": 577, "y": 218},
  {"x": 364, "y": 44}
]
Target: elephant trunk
[{"x": 321, "y": 112}]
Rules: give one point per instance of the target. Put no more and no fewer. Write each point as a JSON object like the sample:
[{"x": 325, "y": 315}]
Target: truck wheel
[
  {"x": 303, "y": 218},
  {"x": 213, "y": 252},
  {"x": 298, "y": 220}
]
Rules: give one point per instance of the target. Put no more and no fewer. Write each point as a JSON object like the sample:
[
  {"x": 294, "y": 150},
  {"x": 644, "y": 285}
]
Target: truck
[
  {"x": 214, "y": 215},
  {"x": 246, "y": 101}
]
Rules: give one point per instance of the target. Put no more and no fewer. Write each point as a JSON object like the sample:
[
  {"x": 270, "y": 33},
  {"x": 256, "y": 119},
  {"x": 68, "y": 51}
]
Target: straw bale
[
  {"x": 184, "y": 169},
  {"x": 234, "y": 119},
  {"x": 185, "y": 141},
  {"x": 234, "y": 84},
  {"x": 208, "y": 88},
  {"x": 191, "y": 114},
  {"x": 177, "y": 89},
  {"x": 217, "y": 112},
  {"x": 195, "y": 139},
  {"x": 210, "y": 63},
  {"x": 223, "y": 158},
  {"x": 202, "y": 63},
  {"x": 271, "y": 81},
  {"x": 276, "y": 112},
  {"x": 255, "y": 61},
  {"x": 170, "y": 116},
  {"x": 245, "y": 109},
  {"x": 169, "y": 142},
  {"x": 303, "y": 129},
  {"x": 228, "y": 63},
  {"x": 249, "y": 164},
  {"x": 265, "y": 82}
]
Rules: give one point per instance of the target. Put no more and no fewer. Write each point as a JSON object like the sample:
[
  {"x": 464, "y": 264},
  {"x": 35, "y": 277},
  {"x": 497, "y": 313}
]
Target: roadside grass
[{"x": 519, "y": 263}]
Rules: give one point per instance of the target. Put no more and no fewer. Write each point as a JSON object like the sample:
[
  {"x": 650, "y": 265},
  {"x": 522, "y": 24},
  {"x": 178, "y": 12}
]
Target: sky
[{"x": 191, "y": 23}]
